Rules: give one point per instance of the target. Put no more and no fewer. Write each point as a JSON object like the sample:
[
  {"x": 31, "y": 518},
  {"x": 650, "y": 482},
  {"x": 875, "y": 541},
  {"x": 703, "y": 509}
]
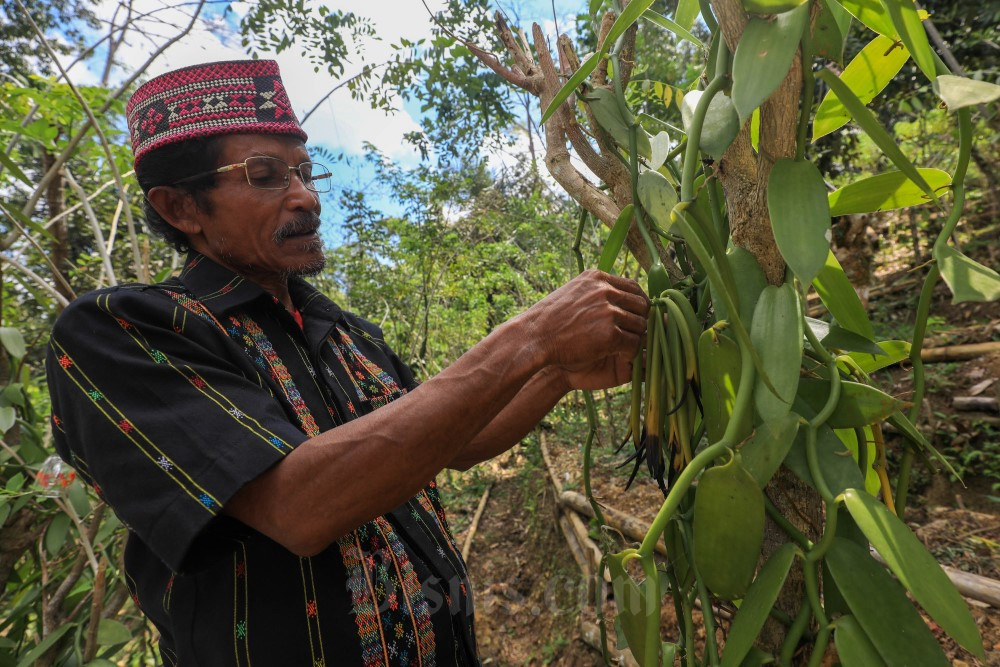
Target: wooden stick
[
  {"x": 959, "y": 352},
  {"x": 549, "y": 468},
  {"x": 579, "y": 556},
  {"x": 983, "y": 403},
  {"x": 628, "y": 525},
  {"x": 475, "y": 523},
  {"x": 591, "y": 636},
  {"x": 970, "y": 585}
]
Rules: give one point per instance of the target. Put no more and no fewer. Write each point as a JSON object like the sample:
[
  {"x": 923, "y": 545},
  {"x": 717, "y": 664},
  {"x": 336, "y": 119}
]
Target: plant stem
[
  {"x": 808, "y": 88},
  {"x": 588, "y": 397},
  {"x": 794, "y": 634},
  {"x": 691, "y": 158},
  {"x": 787, "y": 525}
]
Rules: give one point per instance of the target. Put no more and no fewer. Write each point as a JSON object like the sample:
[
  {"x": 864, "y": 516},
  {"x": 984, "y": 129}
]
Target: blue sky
[{"x": 340, "y": 124}]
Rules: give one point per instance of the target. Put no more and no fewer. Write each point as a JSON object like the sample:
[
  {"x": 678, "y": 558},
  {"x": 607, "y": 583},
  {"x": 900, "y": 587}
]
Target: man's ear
[{"x": 177, "y": 207}]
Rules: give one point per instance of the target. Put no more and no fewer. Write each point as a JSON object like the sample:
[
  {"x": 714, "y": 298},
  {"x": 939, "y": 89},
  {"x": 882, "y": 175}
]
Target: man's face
[{"x": 264, "y": 235}]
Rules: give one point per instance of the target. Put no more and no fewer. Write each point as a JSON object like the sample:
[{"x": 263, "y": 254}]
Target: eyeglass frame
[{"x": 288, "y": 178}]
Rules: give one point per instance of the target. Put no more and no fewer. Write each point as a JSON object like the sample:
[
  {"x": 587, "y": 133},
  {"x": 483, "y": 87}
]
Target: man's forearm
[
  {"x": 348, "y": 475},
  {"x": 345, "y": 476},
  {"x": 535, "y": 399}
]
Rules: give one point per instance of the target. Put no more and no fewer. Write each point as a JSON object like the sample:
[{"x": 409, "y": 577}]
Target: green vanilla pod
[{"x": 728, "y": 528}]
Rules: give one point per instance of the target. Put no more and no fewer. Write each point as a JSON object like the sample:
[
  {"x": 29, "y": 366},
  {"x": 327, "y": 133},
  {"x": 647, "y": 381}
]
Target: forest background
[{"x": 443, "y": 224}]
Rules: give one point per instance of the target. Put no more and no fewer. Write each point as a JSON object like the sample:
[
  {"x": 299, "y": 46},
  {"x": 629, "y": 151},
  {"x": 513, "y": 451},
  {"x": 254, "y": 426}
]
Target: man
[{"x": 271, "y": 457}]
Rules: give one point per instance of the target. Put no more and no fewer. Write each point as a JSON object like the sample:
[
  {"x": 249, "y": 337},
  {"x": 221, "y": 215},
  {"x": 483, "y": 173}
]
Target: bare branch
[
  {"x": 70, "y": 148},
  {"x": 94, "y": 225},
  {"x": 56, "y": 273},
  {"x": 140, "y": 268}
]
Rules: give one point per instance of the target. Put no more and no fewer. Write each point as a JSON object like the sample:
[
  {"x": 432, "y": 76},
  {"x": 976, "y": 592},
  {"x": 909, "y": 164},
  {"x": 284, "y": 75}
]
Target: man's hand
[{"x": 591, "y": 328}]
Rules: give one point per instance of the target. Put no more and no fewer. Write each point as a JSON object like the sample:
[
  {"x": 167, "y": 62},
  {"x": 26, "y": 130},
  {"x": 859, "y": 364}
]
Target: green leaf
[
  {"x": 872, "y": 14},
  {"x": 595, "y": 5},
  {"x": 763, "y": 57},
  {"x": 13, "y": 394},
  {"x": 866, "y": 75},
  {"x": 633, "y": 607},
  {"x": 839, "y": 468},
  {"x": 77, "y": 494},
  {"x": 687, "y": 12},
  {"x": 916, "y": 569},
  {"x": 657, "y": 197},
  {"x": 629, "y": 15},
  {"x": 608, "y": 113},
  {"x": 758, "y": 658},
  {"x": 34, "y": 654},
  {"x": 829, "y": 31},
  {"x": 586, "y": 67},
  {"x": 911, "y": 433},
  {"x": 959, "y": 91},
  {"x": 895, "y": 351},
  {"x": 800, "y": 216},
  {"x": 895, "y": 628},
  {"x": 847, "y": 341},
  {"x": 885, "y": 192},
  {"x": 838, "y": 295},
  {"x": 659, "y": 149},
  {"x": 748, "y": 288},
  {"x": 853, "y": 646},
  {"x": 672, "y": 26},
  {"x": 13, "y": 341},
  {"x": 859, "y": 404},
  {"x": 770, "y": 6},
  {"x": 55, "y": 535},
  {"x": 764, "y": 451},
  {"x": 776, "y": 333},
  {"x": 15, "y": 483},
  {"x": 968, "y": 279},
  {"x": 111, "y": 632},
  {"x": 12, "y": 167},
  {"x": 876, "y": 132},
  {"x": 757, "y": 604},
  {"x": 910, "y": 28},
  {"x": 615, "y": 240},
  {"x": 8, "y": 417}
]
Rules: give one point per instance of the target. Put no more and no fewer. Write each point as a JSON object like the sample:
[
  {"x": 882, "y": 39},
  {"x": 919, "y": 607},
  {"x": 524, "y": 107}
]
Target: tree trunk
[
  {"x": 55, "y": 199},
  {"x": 744, "y": 175}
]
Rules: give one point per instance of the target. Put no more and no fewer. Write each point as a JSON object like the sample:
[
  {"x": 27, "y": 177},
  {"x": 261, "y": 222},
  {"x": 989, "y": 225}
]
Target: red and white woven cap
[{"x": 230, "y": 97}]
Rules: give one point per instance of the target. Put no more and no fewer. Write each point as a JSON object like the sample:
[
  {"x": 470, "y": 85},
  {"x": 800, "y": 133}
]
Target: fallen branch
[
  {"x": 576, "y": 549},
  {"x": 475, "y": 523},
  {"x": 628, "y": 525},
  {"x": 981, "y": 403},
  {"x": 591, "y": 636},
  {"x": 959, "y": 352},
  {"x": 972, "y": 586}
]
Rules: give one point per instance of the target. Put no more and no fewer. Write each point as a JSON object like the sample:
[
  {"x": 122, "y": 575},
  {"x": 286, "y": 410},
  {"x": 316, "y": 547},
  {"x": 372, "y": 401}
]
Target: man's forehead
[{"x": 236, "y": 147}]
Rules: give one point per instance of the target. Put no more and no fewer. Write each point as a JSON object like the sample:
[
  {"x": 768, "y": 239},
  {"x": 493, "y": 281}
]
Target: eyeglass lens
[{"x": 269, "y": 173}]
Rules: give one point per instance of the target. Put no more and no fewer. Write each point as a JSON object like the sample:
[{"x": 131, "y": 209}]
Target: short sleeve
[{"x": 161, "y": 413}]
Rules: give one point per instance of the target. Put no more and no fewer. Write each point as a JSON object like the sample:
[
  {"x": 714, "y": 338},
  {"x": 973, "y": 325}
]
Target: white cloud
[{"x": 340, "y": 123}]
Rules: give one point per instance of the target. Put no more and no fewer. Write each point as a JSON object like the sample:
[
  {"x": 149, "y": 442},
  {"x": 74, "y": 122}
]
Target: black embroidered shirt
[{"x": 169, "y": 398}]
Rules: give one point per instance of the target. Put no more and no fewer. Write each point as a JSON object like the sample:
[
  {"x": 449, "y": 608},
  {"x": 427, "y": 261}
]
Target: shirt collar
[{"x": 222, "y": 289}]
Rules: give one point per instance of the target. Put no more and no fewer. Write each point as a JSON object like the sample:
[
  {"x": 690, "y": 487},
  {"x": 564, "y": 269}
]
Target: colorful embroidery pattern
[{"x": 371, "y": 384}]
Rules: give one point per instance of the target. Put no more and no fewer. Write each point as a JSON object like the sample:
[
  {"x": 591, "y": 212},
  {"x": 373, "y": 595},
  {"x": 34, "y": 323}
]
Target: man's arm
[{"x": 346, "y": 476}]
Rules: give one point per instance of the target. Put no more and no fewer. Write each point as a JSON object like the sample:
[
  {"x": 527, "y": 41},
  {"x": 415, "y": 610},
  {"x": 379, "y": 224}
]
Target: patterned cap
[{"x": 230, "y": 97}]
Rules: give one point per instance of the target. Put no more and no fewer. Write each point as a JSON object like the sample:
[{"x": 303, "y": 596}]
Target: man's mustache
[{"x": 301, "y": 224}]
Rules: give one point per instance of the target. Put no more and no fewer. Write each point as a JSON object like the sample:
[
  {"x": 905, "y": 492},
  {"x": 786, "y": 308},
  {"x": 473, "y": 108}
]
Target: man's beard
[{"x": 303, "y": 224}]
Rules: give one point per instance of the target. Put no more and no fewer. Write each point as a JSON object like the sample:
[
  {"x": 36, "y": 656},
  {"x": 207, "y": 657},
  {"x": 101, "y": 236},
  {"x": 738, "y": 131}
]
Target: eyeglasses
[{"x": 270, "y": 173}]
